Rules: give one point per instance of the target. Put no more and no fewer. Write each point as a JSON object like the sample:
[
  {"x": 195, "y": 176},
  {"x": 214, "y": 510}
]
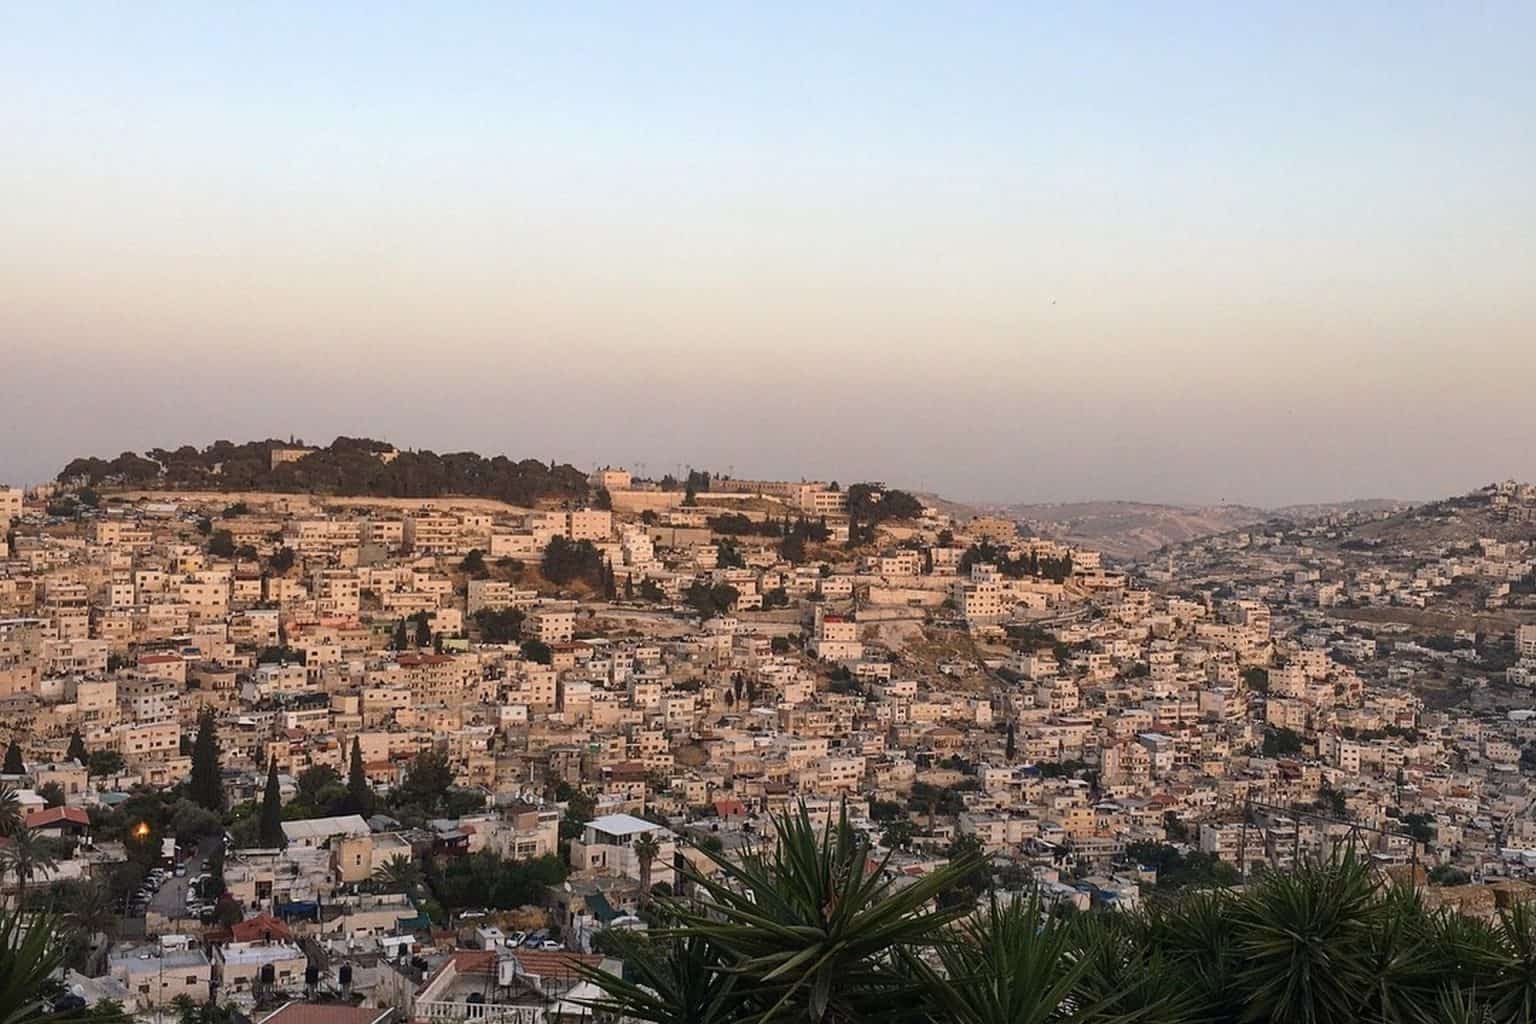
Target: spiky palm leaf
[
  {"x": 1007, "y": 965},
  {"x": 1460, "y": 1006},
  {"x": 32, "y": 947},
  {"x": 1304, "y": 940},
  {"x": 1196, "y": 934},
  {"x": 669, "y": 981},
  {"x": 1404, "y": 962},
  {"x": 10, "y": 810},
  {"x": 1511, "y": 993},
  {"x": 811, "y": 925},
  {"x": 1124, "y": 980}
]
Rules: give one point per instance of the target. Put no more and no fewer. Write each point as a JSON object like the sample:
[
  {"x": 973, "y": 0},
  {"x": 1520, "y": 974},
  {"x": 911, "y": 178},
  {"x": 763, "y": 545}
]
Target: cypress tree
[
  {"x": 1009, "y": 751},
  {"x": 359, "y": 793},
  {"x": 402, "y": 639},
  {"x": 77, "y": 751},
  {"x": 271, "y": 834},
  {"x": 13, "y": 763},
  {"x": 206, "y": 786}
]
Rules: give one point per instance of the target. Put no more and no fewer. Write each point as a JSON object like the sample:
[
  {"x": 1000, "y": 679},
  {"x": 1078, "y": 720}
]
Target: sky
[{"x": 1259, "y": 253}]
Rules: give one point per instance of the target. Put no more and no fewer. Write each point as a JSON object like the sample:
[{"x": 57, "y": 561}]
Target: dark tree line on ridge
[{"x": 347, "y": 466}]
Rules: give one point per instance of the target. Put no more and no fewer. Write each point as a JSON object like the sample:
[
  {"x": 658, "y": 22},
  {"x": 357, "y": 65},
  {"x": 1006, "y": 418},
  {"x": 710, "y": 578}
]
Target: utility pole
[{"x": 1242, "y": 847}]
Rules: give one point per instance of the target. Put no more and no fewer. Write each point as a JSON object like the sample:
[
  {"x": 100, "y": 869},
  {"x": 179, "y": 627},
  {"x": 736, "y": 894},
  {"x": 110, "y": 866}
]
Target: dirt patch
[{"x": 1438, "y": 620}]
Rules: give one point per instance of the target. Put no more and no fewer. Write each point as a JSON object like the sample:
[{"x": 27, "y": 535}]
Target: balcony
[{"x": 490, "y": 1013}]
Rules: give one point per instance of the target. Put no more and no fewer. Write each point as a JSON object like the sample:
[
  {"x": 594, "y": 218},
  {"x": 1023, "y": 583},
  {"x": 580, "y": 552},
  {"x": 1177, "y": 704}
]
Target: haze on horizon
[{"x": 1266, "y": 253}]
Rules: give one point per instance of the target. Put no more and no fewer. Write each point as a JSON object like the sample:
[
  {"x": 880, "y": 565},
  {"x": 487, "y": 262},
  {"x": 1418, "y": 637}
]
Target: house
[
  {"x": 159, "y": 972},
  {"x": 60, "y": 821},
  {"x": 606, "y": 845},
  {"x": 241, "y": 964}
]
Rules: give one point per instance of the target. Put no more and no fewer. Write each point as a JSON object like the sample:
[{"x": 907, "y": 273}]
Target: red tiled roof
[
  {"x": 554, "y": 964},
  {"x": 318, "y": 1013},
  {"x": 261, "y": 927},
  {"x": 59, "y": 816}
]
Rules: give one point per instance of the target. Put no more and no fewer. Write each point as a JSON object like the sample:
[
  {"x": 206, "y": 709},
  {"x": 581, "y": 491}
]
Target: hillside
[
  {"x": 1133, "y": 529},
  {"x": 1130, "y": 529},
  {"x": 1456, "y": 522}
]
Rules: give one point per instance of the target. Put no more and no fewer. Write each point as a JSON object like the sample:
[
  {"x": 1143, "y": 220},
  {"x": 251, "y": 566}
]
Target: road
[{"x": 171, "y": 901}]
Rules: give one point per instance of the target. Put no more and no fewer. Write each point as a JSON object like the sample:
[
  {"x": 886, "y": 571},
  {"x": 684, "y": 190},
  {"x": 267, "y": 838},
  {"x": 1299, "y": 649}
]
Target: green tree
[
  {"x": 728, "y": 556},
  {"x": 1282, "y": 743},
  {"x": 76, "y": 751},
  {"x": 647, "y": 849},
  {"x": 398, "y": 874},
  {"x": 87, "y": 906},
  {"x": 568, "y": 561},
  {"x": 221, "y": 544},
  {"x": 499, "y": 625},
  {"x": 270, "y": 831},
  {"x": 314, "y": 783},
  {"x": 104, "y": 763},
  {"x": 966, "y": 849},
  {"x": 52, "y": 794},
  {"x": 359, "y": 790},
  {"x": 13, "y": 762},
  {"x": 27, "y": 856},
  {"x": 710, "y": 600},
  {"x": 10, "y": 811},
  {"x": 191, "y": 822},
  {"x": 206, "y": 785},
  {"x": 898, "y": 834},
  {"x": 427, "y": 780}
]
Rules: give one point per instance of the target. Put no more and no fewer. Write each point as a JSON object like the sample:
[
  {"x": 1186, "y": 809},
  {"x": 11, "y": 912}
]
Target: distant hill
[
  {"x": 1133, "y": 529},
  {"x": 347, "y": 467},
  {"x": 1462, "y": 520}
]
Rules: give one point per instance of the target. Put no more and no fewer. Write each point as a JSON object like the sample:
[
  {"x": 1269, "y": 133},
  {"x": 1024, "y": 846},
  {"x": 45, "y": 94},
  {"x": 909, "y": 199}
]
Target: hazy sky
[{"x": 1255, "y": 252}]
